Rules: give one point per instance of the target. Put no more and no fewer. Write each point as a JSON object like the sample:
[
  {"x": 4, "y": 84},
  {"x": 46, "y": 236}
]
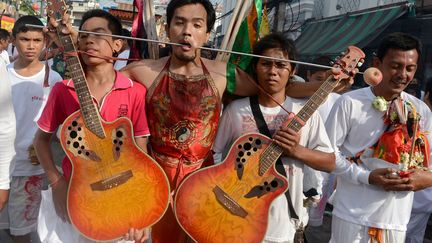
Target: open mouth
[{"x": 186, "y": 46}]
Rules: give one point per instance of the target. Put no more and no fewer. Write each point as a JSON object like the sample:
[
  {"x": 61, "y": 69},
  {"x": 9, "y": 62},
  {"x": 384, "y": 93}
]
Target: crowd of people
[{"x": 366, "y": 151}]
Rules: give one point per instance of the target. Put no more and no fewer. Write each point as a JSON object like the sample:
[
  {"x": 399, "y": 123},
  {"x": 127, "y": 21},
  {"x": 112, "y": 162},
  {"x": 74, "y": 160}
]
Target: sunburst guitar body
[
  {"x": 230, "y": 202},
  {"x": 114, "y": 186}
]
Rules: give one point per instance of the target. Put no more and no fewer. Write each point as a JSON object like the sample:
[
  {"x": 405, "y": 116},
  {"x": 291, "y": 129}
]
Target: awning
[{"x": 332, "y": 36}]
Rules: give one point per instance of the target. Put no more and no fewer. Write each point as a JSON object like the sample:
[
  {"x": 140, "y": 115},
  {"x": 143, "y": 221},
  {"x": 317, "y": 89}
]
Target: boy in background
[
  {"x": 29, "y": 94},
  {"x": 4, "y": 43}
]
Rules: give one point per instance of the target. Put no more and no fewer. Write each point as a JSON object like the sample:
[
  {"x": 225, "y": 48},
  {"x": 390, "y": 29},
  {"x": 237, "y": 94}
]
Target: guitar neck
[
  {"x": 76, "y": 73},
  {"x": 273, "y": 151}
]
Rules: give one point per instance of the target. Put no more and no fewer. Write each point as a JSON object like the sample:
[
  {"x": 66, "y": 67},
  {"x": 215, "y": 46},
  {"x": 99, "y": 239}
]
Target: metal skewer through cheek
[{"x": 201, "y": 47}]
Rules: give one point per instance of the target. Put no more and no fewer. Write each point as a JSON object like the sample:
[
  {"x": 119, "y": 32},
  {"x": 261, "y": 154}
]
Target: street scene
[{"x": 215, "y": 121}]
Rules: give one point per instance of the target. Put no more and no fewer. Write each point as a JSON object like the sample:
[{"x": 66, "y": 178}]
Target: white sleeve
[
  {"x": 7, "y": 128},
  {"x": 338, "y": 126},
  {"x": 224, "y": 137}
]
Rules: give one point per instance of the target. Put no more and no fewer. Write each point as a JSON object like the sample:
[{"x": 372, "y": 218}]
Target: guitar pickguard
[
  {"x": 76, "y": 143},
  {"x": 269, "y": 185},
  {"x": 244, "y": 151}
]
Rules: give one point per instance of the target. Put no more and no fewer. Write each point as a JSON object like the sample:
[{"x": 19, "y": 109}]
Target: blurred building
[{"x": 79, "y": 7}]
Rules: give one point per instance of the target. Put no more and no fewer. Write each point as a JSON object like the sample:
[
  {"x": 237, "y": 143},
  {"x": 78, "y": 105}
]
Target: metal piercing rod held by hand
[{"x": 202, "y": 47}]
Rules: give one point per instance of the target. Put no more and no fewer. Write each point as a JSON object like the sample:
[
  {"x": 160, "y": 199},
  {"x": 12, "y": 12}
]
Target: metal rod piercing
[{"x": 202, "y": 47}]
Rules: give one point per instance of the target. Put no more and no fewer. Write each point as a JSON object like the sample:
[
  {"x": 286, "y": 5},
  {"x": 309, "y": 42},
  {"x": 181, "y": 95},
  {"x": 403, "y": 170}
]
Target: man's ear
[{"x": 117, "y": 45}]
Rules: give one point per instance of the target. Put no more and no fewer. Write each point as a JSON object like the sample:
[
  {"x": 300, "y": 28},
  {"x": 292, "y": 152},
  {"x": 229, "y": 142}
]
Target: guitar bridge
[
  {"x": 112, "y": 182},
  {"x": 229, "y": 203}
]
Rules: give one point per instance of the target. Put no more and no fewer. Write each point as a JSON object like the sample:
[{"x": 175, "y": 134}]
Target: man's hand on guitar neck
[
  {"x": 67, "y": 29},
  {"x": 288, "y": 140}
]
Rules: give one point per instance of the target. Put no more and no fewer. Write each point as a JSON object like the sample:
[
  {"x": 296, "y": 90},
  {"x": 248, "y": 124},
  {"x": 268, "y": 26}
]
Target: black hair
[
  {"x": 271, "y": 41},
  {"x": 20, "y": 24},
  {"x": 175, "y": 4},
  {"x": 114, "y": 24},
  {"x": 321, "y": 60},
  {"x": 127, "y": 33},
  {"x": 398, "y": 41},
  {"x": 4, "y": 34}
]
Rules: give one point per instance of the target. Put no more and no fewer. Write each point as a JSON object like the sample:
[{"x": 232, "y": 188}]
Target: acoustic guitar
[
  {"x": 230, "y": 202},
  {"x": 114, "y": 185}
]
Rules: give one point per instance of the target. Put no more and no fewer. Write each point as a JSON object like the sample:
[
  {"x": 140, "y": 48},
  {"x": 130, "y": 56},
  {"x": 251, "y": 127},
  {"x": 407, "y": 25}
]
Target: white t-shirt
[
  {"x": 119, "y": 64},
  {"x": 7, "y": 128},
  {"x": 354, "y": 126},
  {"x": 29, "y": 98},
  {"x": 4, "y": 55},
  {"x": 238, "y": 119},
  {"x": 312, "y": 177}
]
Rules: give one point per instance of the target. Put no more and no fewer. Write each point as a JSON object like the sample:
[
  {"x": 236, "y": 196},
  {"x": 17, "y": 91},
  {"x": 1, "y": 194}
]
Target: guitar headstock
[
  {"x": 56, "y": 8},
  {"x": 352, "y": 58}
]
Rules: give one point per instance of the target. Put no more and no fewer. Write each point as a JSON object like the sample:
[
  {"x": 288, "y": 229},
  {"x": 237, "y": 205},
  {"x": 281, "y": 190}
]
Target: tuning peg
[
  {"x": 332, "y": 63},
  {"x": 343, "y": 53},
  {"x": 359, "y": 64}
]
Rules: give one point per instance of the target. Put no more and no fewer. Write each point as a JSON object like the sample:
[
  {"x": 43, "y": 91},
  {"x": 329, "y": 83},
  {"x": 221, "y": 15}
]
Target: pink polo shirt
[{"x": 126, "y": 99}]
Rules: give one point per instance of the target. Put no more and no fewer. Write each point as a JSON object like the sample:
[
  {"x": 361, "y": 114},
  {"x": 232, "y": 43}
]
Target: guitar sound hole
[
  {"x": 258, "y": 142},
  {"x": 240, "y": 154},
  {"x": 251, "y": 139},
  {"x": 239, "y": 166},
  {"x": 243, "y": 160},
  {"x": 79, "y": 129},
  {"x": 247, "y": 146},
  {"x": 255, "y": 149},
  {"x": 240, "y": 146},
  {"x": 119, "y": 134},
  {"x": 82, "y": 147},
  {"x": 75, "y": 144},
  {"x": 274, "y": 184},
  {"x": 69, "y": 128},
  {"x": 121, "y": 143},
  {"x": 73, "y": 134},
  {"x": 248, "y": 153},
  {"x": 238, "y": 159},
  {"x": 74, "y": 123},
  {"x": 87, "y": 153},
  {"x": 79, "y": 152},
  {"x": 115, "y": 141},
  {"x": 68, "y": 142},
  {"x": 117, "y": 148},
  {"x": 79, "y": 138}
]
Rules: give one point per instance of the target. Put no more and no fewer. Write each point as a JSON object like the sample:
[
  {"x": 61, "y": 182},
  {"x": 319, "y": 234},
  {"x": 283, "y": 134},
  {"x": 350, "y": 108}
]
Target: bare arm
[
  {"x": 142, "y": 143},
  {"x": 58, "y": 184},
  {"x": 302, "y": 90},
  {"x": 245, "y": 85}
]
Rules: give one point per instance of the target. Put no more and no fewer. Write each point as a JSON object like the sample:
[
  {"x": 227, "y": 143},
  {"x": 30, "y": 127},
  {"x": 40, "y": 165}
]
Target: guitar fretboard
[
  {"x": 88, "y": 108},
  {"x": 273, "y": 151}
]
